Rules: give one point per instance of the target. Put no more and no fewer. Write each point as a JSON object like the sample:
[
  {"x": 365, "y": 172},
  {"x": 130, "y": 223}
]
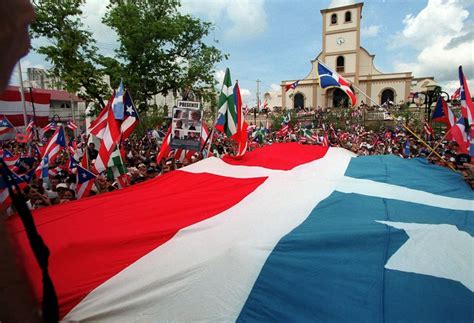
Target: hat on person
[{"x": 62, "y": 185}]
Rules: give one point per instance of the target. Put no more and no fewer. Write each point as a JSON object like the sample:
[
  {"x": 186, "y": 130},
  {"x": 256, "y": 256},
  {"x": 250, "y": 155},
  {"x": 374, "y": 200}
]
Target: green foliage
[
  {"x": 149, "y": 120},
  {"x": 72, "y": 51},
  {"x": 161, "y": 50}
]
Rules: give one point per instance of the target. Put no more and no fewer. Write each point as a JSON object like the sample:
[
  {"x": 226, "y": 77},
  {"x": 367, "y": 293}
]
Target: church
[{"x": 343, "y": 53}]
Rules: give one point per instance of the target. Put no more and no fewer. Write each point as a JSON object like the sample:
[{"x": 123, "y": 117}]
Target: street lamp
[{"x": 432, "y": 93}]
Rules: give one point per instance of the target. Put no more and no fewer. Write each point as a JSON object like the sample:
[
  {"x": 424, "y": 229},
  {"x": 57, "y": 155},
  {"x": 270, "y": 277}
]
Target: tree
[
  {"x": 161, "y": 50},
  {"x": 72, "y": 52}
]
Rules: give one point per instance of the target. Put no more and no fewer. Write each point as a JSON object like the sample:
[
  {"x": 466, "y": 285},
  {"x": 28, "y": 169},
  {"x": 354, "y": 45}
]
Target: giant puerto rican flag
[
  {"x": 12, "y": 107},
  {"x": 288, "y": 233}
]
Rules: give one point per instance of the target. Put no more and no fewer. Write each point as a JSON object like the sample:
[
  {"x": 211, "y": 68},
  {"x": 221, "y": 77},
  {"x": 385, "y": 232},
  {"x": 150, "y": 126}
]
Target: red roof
[{"x": 56, "y": 95}]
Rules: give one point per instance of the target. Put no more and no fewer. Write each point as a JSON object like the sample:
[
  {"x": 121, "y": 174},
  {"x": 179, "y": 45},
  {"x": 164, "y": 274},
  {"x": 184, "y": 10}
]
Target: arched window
[
  {"x": 387, "y": 95},
  {"x": 348, "y": 17},
  {"x": 298, "y": 102},
  {"x": 333, "y": 19},
  {"x": 340, "y": 64}
]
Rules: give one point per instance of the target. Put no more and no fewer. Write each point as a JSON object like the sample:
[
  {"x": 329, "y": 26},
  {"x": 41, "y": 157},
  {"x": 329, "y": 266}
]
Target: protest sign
[{"x": 186, "y": 125}]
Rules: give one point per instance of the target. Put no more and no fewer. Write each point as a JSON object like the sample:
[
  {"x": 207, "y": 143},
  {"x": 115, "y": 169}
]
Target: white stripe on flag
[
  {"x": 15, "y": 107},
  {"x": 394, "y": 192},
  {"x": 158, "y": 276},
  {"x": 127, "y": 123},
  {"x": 108, "y": 140},
  {"x": 81, "y": 190}
]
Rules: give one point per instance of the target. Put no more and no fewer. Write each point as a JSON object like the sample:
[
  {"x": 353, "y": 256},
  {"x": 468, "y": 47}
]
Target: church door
[
  {"x": 298, "y": 102},
  {"x": 387, "y": 95},
  {"x": 339, "y": 98}
]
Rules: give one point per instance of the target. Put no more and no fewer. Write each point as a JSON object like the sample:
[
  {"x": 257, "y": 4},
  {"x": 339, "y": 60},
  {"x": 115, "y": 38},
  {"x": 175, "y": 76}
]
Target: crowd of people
[{"x": 139, "y": 155}]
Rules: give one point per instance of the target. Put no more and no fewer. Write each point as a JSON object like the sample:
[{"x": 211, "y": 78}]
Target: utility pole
[
  {"x": 34, "y": 111},
  {"x": 22, "y": 94},
  {"x": 258, "y": 103}
]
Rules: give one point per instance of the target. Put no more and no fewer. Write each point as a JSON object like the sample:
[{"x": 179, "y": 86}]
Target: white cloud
[
  {"x": 436, "y": 33},
  {"x": 439, "y": 19},
  {"x": 370, "y": 31},
  {"x": 93, "y": 11},
  {"x": 452, "y": 86},
  {"x": 340, "y": 3},
  {"x": 275, "y": 87},
  {"x": 236, "y": 18},
  {"x": 219, "y": 76},
  {"x": 246, "y": 94}
]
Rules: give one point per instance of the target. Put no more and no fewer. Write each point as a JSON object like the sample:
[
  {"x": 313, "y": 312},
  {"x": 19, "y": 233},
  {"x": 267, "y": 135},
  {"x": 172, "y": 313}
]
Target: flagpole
[
  {"x": 213, "y": 127},
  {"x": 432, "y": 150},
  {"x": 439, "y": 143},
  {"x": 22, "y": 93},
  {"x": 73, "y": 114}
]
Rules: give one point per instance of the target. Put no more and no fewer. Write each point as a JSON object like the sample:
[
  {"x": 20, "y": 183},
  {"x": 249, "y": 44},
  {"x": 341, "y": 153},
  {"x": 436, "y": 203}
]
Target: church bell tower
[{"x": 341, "y": 40}]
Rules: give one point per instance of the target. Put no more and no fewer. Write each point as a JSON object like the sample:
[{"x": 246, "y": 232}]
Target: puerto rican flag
[
  {"x": 12, "y": 107},
  {"x": 8, "y": 177},
  {"x": 443, "y": 113},
  {"x": 42, "y": 171},
  {"x": 50, "y": 126},
  {"x": 5, "y": 125},
  {"x": 110, "y": 138},
  {"x": 84, "y": 180},
  {"x": 98, "y": 126},
  {"x": 457, "y": 94},
  {"x": 55, "y": 144},
  {"x": 288, "y": 233},
  {"x": 117, "y": 103},
  {"x": 130, "y": 119},
  {"x": 292, "y": 85},
  {"x": 467, "y": 107},
  {"x": 10, "y": 159},
  {"x": 328, "y": 78},
  {"x": 460, "y": 135},
  {"x": 283, "y": 130},
  {"x": 72, "y": 125}
]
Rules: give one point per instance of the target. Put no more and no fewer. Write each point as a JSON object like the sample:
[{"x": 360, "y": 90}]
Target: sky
[{"x": 275, "y": 40}]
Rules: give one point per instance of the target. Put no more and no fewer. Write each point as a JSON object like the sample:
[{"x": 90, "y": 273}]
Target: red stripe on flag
[
  {"x": 14, "y": 95},
  {"x": 87, "y": 250},
  {"x": 282, "y": 156}
]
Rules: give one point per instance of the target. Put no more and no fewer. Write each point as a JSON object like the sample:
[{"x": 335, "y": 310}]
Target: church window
[
  {"x": 333, "y": 19},
  {"x": 298, "y": 102},
  {"x": 348, "y": 16},
  {"x": 340, "y": 64},
  {"x": 387, "y": 95}
]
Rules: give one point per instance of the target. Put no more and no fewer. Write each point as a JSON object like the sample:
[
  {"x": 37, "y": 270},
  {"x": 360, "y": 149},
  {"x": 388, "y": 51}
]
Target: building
[
  {"x": 63, "y": 106},
  {"x": 38, "y": 78},
  {"x": 343, "y": 53}
]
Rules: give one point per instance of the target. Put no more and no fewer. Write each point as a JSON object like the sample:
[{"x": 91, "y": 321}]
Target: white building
[{"x": 343, "y": 53}]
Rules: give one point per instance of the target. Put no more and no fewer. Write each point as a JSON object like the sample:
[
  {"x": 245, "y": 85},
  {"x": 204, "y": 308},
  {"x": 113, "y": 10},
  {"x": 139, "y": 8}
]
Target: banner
[
  {"x": 186, "y": 125},
  {"x": 12, "y": 107}
]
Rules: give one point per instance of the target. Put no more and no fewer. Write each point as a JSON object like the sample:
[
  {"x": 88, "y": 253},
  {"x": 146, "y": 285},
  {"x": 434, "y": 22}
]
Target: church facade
[{"x": 343, "y": 53}]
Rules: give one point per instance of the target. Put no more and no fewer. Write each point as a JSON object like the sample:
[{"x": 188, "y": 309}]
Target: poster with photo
[{"x": 186, "y": 125}]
